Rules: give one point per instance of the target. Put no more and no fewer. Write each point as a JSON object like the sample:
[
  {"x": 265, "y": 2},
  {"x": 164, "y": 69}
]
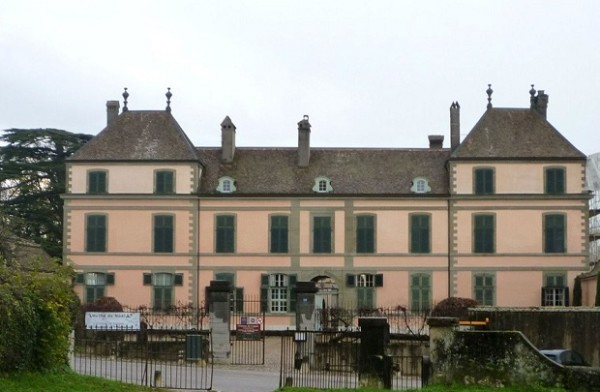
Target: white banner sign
[{"x": 112, "y": 320}]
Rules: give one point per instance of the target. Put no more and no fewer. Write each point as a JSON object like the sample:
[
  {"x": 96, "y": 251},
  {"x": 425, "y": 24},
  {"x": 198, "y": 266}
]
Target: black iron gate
[
  {"x": 248, "y": 332},
  {"x": 169, "y": 358},
  {"x": 330, "y": 359}
]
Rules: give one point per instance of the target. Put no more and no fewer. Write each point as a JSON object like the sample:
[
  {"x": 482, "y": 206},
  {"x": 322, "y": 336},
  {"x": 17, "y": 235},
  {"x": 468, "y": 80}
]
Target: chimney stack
[
  {"x": 112, "y": 111},
  {"x": 539, "y": 102},
  {"x": 454, "y": 125},
  {"x": 227, "y": 140},
  {"x": 303, "y": 142},
  {"x": 436, "y": 141}
]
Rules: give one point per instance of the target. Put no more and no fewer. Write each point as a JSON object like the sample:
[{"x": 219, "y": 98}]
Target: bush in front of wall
[{"x": 36, "y": 316}]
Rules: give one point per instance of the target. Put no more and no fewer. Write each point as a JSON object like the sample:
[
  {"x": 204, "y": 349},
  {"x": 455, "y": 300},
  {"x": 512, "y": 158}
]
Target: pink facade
[{"x": 489, "y": 218}]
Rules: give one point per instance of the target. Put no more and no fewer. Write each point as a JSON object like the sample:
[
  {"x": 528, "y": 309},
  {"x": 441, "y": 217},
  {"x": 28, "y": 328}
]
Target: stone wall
[
  {"x": 572, "y": 328},
  {"x": 498, "y": 359}
]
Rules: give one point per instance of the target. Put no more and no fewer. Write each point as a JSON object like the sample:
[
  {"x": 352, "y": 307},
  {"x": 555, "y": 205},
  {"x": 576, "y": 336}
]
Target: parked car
[{"x": 565, "y": 357}]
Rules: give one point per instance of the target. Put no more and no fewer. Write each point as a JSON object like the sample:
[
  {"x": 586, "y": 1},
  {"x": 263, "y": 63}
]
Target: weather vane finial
[
  {"x": 125, "y": 96},
  {"x": 168, "y": 95},
  {"x": 489, "y": 92}
]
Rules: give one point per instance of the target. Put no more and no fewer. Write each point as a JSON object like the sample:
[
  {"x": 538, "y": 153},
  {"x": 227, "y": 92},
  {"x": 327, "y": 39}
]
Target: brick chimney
[
  {"x": 227, "y": 140},
  {"x": 112, "y": 111},
  {"x": 539, "y": 102},
  {"x": 454, "y": 125},
  {"x": 303, "y": 142},
  {"x": 436, "y": 141}
]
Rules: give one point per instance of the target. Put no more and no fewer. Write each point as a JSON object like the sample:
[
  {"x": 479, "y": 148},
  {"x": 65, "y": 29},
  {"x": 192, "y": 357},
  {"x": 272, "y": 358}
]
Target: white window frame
[
  {"x": 322, "y": 185},
  {"x": 420, "y": 185},
  {"x": 226, "y": 185}
]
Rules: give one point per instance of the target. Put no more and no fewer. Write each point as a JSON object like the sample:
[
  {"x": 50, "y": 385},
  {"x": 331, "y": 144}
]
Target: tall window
[
  {"x": 483, "y": 233},
  {"x": 97, "y": 181},
  {"x": 484, "y": 181},
  {"x": 225, "y": 234},
  {"x": 322, "y": 234},
  {"x": 420, "y": 291},
  {"x": 276, "y": 292},
  {"x": 419, "y": 233},
  {"x": 95, "y": 240},
  {"x": 365, "y": 234},
  {"x": 555, "y": 291},
  {"x": 162, "y": 288},
  {"x": 555, "y": 180},
  {"x": 279, "y": 234},
  {"x": 164, "y": 182},
  {"x": 95, "y": 284},
  {"x": 554, "y": 233},
  {"x": 163, "y": 233},
  {"x": 484, "y": 289},
  {"x": 365, "y": 288}
]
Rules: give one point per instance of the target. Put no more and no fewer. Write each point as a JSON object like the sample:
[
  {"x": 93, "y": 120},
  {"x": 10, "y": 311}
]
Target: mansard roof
[
  {"x": 352, "y": 171},
  {"x": 148, "y": 135},
  {"x": 507, "y": 133}
]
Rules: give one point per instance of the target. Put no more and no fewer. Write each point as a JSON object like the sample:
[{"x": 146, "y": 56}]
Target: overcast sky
[{"x": 368, "y": 73}]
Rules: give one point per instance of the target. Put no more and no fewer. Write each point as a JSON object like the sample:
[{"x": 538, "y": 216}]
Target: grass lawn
[
  {"x": 434, "y": 388},
  {"x": 63, "y": 382},
  {"x": 72, "y": 382}
]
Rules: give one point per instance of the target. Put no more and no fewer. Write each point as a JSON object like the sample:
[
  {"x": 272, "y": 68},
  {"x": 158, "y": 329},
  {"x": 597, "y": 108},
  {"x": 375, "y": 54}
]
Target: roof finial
[
  {"x": 168, "y": 95},
  {"x": 489, "y": 92},
  {"x": 125, "y": 96},
  {"x": 532, "y": 99}
]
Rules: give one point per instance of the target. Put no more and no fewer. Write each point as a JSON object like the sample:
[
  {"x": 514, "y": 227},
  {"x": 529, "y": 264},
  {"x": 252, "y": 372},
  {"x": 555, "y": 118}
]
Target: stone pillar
[
  {"x": 441, "y": 336},
  {"x": 305, "y": 321},
  {"x": 374, "y": 363},
  {"x": 305, "y": 305},
  {"x": 219, "y": 295}
]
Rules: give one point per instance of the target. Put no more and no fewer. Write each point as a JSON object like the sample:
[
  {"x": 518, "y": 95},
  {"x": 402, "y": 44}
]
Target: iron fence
[
  {"x": 170, "y": 358},
  {"x": 400, "y": 319},
  {"x": 330, "y": 359}
]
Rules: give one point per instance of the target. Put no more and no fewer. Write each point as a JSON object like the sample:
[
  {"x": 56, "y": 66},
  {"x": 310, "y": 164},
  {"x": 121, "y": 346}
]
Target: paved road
[{"x": 238, "y": 380}]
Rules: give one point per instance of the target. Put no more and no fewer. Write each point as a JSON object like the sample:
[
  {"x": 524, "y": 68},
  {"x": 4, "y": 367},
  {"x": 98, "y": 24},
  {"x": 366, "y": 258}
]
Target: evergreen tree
[
  {"x": 32, "y": 178},
  {"x": 577, "y": 292},
  {"x": 597, "y": 303}
]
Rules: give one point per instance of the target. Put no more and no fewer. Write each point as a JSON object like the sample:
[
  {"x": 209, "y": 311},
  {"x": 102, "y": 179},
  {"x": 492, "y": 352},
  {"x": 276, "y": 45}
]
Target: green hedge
[{"x": 36, "y": 314}]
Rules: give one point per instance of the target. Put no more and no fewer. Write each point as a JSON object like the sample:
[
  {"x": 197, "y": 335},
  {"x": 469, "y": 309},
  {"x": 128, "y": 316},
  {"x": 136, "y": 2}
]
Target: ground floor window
[
  {"x": 365, "y": 288},
  {"x": 163, "y": 288},
  {"x": 95, "y": 284},
  {"x": 555, "y": 291},
  {"x": 484, "y": 288},
  {"x": 420, "y": 291},
  {"x": 276, "y": 292}
]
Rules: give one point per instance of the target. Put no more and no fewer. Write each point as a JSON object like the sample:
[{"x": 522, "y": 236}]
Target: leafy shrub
[
  {"x": 36, "y": 316},
  {"x": 454, "y": 307}
]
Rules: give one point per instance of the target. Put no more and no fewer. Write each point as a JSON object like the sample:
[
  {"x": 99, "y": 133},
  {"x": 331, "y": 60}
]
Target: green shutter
[
  {"x": 163, "y": 233},
  {"x": 80, "y": 278},
  {"x": 292, "y": 279},
  {"x": 96, "y": 233},
  {"x": 322, "y": 234},
  {"x": 264, "y": 299},
  {"x": 178, "y": 281},
  {"x": 350, "y": 280},
  {"x": 225, "y": 234},
  {"x": 365, "y": 234},
  {"x": 147, "y": 279},
  {"x": 379, "y": 280},
  {"x": 279, "y": 234},
  {"x": 419, "y": 233},
  {"x": 110, "y": 278},
  {"x": 239, "y": 299}
]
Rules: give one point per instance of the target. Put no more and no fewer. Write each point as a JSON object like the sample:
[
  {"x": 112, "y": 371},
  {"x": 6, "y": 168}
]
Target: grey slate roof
[
  {"x": 139, "y": 135},
  {"x": 506, "y": 133},
  {"x": 356, "y": 171}
]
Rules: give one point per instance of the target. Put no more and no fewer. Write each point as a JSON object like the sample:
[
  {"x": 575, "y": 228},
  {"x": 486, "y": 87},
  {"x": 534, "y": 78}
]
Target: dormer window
[
  {"x": 420, "y": 185},
  {"x": 226, "y": 185},
  {"x": 322, "y": 185}
]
